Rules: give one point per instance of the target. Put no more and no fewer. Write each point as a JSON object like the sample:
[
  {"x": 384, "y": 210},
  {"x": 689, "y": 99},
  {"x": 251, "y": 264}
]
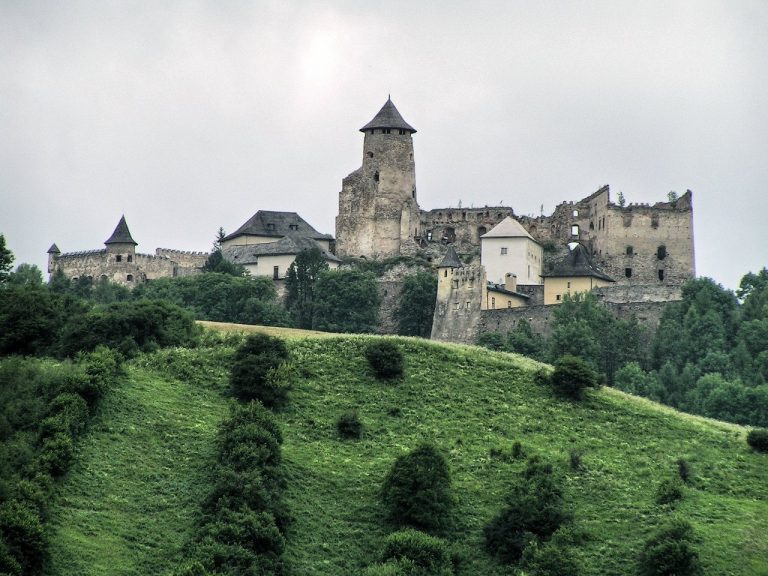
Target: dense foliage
[
  {"x": 259, "y": 371},
  {"x": 417, "y": 490},
  {"x": 416, "y": 305},
  {"x": 410, "y": 552},
  {"x": 572, "y": 376},
  {"x": 346, "y": 301},
  {"x": 758, "y": 439},
  {"x": 300, "y": 281},
  {"x": 670, "y": 552}
]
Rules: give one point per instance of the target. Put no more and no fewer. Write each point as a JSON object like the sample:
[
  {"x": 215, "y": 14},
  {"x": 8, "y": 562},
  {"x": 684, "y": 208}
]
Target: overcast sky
[{"x": 187, "y": 116}]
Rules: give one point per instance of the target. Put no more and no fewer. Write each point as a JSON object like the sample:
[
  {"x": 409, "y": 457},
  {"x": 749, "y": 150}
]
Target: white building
[{"x": 509, "y": 248}]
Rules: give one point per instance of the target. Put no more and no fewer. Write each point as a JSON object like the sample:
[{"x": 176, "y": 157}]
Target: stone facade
[{"x": 119, "y": 262}]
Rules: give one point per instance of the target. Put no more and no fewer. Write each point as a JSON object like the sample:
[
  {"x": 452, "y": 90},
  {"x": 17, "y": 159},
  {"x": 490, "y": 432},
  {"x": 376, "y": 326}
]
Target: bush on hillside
[
  {"x": 386, "y": 358},
  {"x": 572, "y": 376},
  {"x": 684, "y": 470},
  {"x": 23, "y": 537},
  {"x": 670, "y": 490},
  {"x": 534, "y": 509},
  {"x": 758, "y": 439},
  {"x": 349, "y": 425},
  {"x": 260, "y": 371},
  {"x": 549, "y": 559},
  {"x": 427, "y": 554},
  {"x": 417, "y": 490},
  {"x": 670, "y": 552}
]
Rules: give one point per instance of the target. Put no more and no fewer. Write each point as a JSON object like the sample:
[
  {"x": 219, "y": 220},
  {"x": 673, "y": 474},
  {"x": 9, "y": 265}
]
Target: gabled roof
[
  {"x": 388, "y": 117},
  {"x": 277, "y": 224},
  {"x": 451, "y": 259},
  {"x": 288, "y": 245},
  {"x": 508, "y": 228},
  {"x": 54, "y": 249},
  {"x": 577, "y": 263},
  {"x": 501, "y": 289},
  {"x": 121, "y": 235}
]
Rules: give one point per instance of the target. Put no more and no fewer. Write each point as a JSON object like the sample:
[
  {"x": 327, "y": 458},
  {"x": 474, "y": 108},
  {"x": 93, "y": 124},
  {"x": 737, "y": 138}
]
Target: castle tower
[
  {"x": 461, "y": 291},
  {"x": 121, "y": 244},
  {"x": 378, "y": 211},
  {"x": 53, "y": 255}
]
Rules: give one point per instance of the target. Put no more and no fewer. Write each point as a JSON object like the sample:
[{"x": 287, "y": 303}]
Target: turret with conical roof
[
  {"x": 121, "y": 243},
  {"x": 378, "y": 210}
]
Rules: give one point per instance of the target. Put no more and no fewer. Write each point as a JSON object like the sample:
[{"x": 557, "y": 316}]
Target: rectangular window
[
  {"x": 455, "y": 305},
  {"x": 509, "y": 303},
  {"x": 455, "y": 284},
  {"x": 276, "y": 273},
  {"x": 503, "y": 251},
  {"x": 557, "y": 297},
  {"x": 628, "y": 272},
  {"x": 569, "y": 285},
  {"x": 467, "y": 305},
  {"x": 118, "y": 258},
  {"x": 661, "y": 275},
  {"x": 493, "y": 303}
]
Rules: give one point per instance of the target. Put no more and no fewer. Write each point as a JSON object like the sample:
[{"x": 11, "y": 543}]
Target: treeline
[{"x": 709, "y": 355}]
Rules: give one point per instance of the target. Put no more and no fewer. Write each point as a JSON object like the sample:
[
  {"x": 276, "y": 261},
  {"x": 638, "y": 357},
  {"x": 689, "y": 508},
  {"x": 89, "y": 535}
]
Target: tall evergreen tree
[{"x": 300, "y": 284}]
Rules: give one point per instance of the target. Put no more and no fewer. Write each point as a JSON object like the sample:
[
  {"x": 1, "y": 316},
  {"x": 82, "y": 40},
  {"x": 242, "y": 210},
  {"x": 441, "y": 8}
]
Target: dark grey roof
[
  {"x": 500, "y": 288},
  {"x": 451, "y": 259},
  {"x": 577, "y": 263},
  {"x": 121, "y": 235},
  {"x": 287, "y": 245},
  {"x": 54, "y": 249},
  {"x": 276, "y": 224},
  {"x": 388, "y": 117}
]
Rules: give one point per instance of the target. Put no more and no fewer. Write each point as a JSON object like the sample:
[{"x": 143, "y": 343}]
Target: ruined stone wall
[
  {"x": 460, "y": 295},
  {"x": 461, "y": 227},
  {"x": 183, "y": 258}
]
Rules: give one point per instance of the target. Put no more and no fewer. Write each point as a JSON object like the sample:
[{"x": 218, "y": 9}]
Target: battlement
[
  {"x": 81, "y": 253},
  {"x": 171, "y": 252}
]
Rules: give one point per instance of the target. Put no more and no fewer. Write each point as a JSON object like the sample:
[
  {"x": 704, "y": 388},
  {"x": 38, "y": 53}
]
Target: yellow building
[
  {"x": 574, "y": 274},
  {"x": 499, "y": 296}
]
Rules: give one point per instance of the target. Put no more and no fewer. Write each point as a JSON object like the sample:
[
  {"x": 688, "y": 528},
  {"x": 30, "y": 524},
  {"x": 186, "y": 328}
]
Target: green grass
[{"x": 129, "y": 504}]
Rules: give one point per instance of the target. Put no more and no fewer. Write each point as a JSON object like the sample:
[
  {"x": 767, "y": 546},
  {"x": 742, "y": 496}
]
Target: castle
[{"x": 496, "y": 267}]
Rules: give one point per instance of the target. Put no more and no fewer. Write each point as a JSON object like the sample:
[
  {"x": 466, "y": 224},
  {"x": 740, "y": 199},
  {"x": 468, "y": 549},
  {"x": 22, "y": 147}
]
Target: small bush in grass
[
  {"x": 670, "y": 490},
  {"x": 758, "y": 439},
  {"x": 517, "y": 450},
  {"x": 670, "y": 552},
  {"x": 349, "y": 425},
  {"x": 386, "y": 358},
  {"x": 259, "y": 370},
  {"x": 428, "y": 554},
  {"x": 417, "y": 490},
  {"x": 684, "y": 470},
  {"x": 549, "y": 559},
  {"x": 572, "y": 376},
  {"x": 574, "y": 460}
]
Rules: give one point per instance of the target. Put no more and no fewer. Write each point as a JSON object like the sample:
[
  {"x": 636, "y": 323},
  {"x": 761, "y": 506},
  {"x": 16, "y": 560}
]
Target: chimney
[{"x": 510, "y": 282}]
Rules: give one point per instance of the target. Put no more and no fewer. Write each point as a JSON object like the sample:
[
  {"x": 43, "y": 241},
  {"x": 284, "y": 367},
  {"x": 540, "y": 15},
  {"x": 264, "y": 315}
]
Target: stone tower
[
  {"x": 378, "y": 212},
  {"x": 460, "y": 296},
  {"x": 121, "y": 244}
]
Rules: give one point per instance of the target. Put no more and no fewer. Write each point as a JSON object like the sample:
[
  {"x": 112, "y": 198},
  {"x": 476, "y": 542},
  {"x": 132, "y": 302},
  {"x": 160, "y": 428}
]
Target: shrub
[
  {"x": 670, "y": 490},
  {"x": 549, "y": 559},
  {"x": 259, "y": 371},
  {"x": 429, "y": 555},
  {"x": 24, "y": 537},
  {"x": 56, "y": 454},
  {"x": 386, "y": 358},
  {"x": 535, "y": 508},
  {"x": 758, "y": 439},
  {"x": 684, "y": 470},
  {"x": 349, "y": 425},
  {"x": 69, "y": 414},
  {"x": 572, "y": 376},
  {"x": 417, "y": 490},
  {"x": 574, "y": 459},
  {"x": 669, "y": 551}
]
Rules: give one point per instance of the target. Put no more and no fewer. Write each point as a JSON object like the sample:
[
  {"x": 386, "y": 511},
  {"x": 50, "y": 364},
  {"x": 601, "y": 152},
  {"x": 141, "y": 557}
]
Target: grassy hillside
[{"x": 131, "y": 499}]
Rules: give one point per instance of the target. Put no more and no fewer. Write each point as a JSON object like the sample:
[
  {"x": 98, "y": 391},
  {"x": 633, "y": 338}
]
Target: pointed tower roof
[
  {"x": 451, "y": 259},
  {"x": 508, "y": 228},
  {"x": 388, "y": 117},
  {"x": 54, "y": 249},
  {"x": 121, "y": 235},
  {"x": 577, "y": 263}
]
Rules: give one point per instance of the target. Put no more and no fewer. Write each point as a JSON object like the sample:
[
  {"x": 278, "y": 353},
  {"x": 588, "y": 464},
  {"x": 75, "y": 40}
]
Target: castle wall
[
  {"x": 461, "y": 227},
  {"x": 183, "y": 258},
  {"x": 461, "y": 293}
]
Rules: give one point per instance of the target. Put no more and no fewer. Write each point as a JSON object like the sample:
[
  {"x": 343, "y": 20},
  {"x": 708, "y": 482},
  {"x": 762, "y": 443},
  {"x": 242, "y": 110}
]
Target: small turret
[
  {"x": 53, "y": 254},
  {"x": 121, "y": 243}
]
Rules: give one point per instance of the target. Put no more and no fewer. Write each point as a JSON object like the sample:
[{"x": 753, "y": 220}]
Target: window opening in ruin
[
  {"x": 103, "y": 276},
  {"x": 630, "y": 251},
  {"x": 455, "y": 284},
  {"x": 276, "y": 272},
  {"x": 591, "y": 225},
  {"x": 370, "y": 154},
  {"x": 429, "y": 235},
  {"x": 129, "y": 278},
  {"x": 628, "y": 272},
  {"x": 499, "y": 215},
  {"x": 455, "y": 305},
  {"x": 413, "y": 193},
  {"x": 449, "y": 235},
  {"x": 654, "y": 221},
  {"x": 482, "y": 230},
  {"x": 119, "y": 258},
  {"x": 661, "y": 252},
  {"x": 463, "y": 215},
  {"x": 130, "y": 258},
  {"x": 575, "y": 213},
  {"x": 373, "y": 131},
  {"x": 445, "y": 273},
  {"x": 467, "y": 305},
  {"x": 575, "y": 230},
  {"x": 503, "y": 251},
  {"x": 376, "y": 176},
  {"x": 557, "y": 297},
  {"x": 661, "y": 275}
]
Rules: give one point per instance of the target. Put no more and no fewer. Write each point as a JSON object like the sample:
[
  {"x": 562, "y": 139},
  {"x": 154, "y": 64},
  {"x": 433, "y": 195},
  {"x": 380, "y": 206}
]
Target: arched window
[
  {"x": 661, "y": 252},
  {"x": 129, "y": 277},
  {"x": 481, "y": 230},
  {"x": 575, "y": 230}
]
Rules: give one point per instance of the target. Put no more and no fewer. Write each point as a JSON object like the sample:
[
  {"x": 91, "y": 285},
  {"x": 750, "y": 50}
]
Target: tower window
[
  {"x": 119, "y": 258},
  {"x": 130, "y": 258},
  {"x": 413, "y": 193},
  {"x": 370, "y": 154},
  {"x": 481, "y": 230},
  {"x": 376, "y": 176},
  {"x": 661, "y": 252},
  {"x": 445, "y": 273},
  {"x": 628, "y": 272},
  {"x": 129, "y": 278},
  {"x": 575, "y": 213},
  {"x": 575, "y": 230},
  {"x": 661, "y": 275},
  {"x": 557, "y": 297},
  {"x": 401, "y": 132},
  {"x": 630, "y": 250},
  {"x": 385, "y": 131}
]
